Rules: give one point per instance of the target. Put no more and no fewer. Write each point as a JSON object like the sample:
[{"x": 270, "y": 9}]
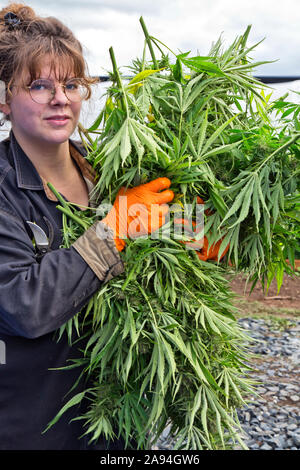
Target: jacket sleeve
[{"x": 37, "y": 298}]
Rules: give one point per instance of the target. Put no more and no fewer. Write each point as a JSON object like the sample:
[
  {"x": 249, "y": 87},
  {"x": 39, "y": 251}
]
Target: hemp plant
[{"x": 164, "y": 345}]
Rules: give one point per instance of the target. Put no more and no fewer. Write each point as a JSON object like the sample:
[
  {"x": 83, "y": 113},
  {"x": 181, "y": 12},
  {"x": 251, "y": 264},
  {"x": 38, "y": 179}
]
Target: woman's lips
[{"x": 58, "y": 120}]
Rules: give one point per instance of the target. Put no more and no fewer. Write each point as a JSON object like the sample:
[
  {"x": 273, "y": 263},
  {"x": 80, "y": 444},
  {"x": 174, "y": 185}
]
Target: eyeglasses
[{"x": 43, "y": 90}]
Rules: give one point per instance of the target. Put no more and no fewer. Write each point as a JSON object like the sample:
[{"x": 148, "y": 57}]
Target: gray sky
[{"x": 183, "y": 25}]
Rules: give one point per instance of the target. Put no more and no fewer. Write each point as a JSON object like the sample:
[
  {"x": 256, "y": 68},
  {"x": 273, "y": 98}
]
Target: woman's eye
[
  {"x": 39, "y": 86},
  {"x": 71, "y": 86}
]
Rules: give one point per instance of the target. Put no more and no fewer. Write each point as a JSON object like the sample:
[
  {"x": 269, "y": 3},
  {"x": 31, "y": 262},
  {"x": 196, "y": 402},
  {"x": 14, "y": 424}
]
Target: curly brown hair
[{"x": 23, "y": 48}]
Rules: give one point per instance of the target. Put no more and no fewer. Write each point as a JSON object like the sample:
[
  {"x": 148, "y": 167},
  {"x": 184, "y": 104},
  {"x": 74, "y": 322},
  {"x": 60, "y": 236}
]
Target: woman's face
[{"x": 51, "y": 123}]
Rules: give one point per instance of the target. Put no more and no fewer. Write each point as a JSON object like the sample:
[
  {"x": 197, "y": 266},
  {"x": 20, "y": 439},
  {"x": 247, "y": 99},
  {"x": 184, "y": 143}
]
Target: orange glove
[
  {"x": 213, "y": 252},
  {"x": 140, "y": 210},
  {"x": 201, "y": 246}
]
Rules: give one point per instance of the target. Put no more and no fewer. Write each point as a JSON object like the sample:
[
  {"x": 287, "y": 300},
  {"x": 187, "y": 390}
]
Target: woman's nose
[{"x": 59, "y": 96}]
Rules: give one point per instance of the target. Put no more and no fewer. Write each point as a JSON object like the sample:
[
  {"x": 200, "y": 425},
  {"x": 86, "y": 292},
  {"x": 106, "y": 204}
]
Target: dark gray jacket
[{"x": 36, "y": 298}]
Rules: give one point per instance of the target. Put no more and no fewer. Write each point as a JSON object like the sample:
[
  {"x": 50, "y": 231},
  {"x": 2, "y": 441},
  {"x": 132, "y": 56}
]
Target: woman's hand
[
  {"x": 139, "y": 211},
  {"x": 201, "y": 246}
]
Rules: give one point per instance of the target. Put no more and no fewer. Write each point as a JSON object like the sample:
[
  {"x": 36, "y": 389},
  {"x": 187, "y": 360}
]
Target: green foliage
[{"x": 164, "y": 344}]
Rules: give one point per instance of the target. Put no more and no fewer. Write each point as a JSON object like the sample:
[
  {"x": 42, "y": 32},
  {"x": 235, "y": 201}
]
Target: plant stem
[
  {"x": 283, "y": 147},
  {"x": 118, "y": 79},
  {"x": 70, "y": 214},
  {"x": 66, "y": 208},
  {"x": 84, "y": 131},
  {"x": 155, "y": 40},
  {"x": 115, "y": 68},
  {"x": 148, "y": 39},
  {"x": 58, "y": 196}
]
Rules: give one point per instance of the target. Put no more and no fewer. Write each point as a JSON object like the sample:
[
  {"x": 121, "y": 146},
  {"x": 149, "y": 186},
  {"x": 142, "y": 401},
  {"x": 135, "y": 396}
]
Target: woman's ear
[{"x": 5, "y": 108}]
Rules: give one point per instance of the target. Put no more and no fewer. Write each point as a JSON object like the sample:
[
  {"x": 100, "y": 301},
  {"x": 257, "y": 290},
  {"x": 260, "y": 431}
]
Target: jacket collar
[{"x": 28, "y": 177}]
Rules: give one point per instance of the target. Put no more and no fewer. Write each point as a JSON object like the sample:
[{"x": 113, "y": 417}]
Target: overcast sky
[{"x": 184, "y": 25}]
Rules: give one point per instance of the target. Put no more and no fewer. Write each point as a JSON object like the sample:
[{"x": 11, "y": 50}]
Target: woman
[{"x": 45, "y": 78}]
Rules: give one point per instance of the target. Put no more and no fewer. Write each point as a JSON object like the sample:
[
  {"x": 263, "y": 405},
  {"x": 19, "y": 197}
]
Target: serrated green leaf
[
  {"x": 125, "y": 145},
  {"x": 75, "y": 400}
]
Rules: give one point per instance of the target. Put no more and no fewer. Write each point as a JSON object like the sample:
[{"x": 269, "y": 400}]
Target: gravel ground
[{"x": 271, "y": 421}]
